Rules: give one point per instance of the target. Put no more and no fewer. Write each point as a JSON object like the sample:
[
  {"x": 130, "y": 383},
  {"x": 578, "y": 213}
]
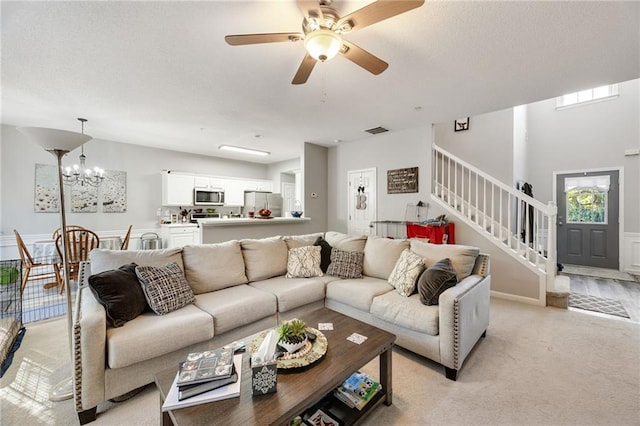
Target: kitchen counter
[
  {"x": 251, "y": 221},
  {"x": 220, "y": 230}
]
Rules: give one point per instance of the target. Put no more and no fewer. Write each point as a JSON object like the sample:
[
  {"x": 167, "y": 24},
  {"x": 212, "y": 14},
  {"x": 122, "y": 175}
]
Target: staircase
[{"x": 518, "y": 224}]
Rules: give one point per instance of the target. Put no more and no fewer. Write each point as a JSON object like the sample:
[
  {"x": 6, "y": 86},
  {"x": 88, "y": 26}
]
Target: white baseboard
[
  {"x": 516, "y": 298},
  {"x": 631, "y": 250}
]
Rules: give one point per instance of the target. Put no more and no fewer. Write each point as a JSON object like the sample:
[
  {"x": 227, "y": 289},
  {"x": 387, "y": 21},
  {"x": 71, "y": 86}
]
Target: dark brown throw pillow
[
  {"x": 325, "y": 253},
  {"x": 435, "y": 280},
  {"x": 119, "y": 291}
]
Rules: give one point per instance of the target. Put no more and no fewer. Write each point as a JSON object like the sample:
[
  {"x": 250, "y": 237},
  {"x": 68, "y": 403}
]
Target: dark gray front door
[{"x": 588, "y": 226}]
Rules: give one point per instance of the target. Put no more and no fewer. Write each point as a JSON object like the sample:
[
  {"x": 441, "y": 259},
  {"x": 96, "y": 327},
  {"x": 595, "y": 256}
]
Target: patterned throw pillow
[
  {"x": 346, "y": 264},
  {"x": 165, "y": 287},
  {"x": 404, "y": 275},
  {"x": 304, "y": 262},
  {"x": 435, "y": 280}
]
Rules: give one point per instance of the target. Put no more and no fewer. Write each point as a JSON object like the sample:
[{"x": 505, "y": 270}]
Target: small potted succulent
[{"x": 292, "y": 335}]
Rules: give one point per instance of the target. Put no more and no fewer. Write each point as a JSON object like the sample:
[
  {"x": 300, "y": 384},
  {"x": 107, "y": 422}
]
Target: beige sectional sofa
[{"x": 241, "y": 288}]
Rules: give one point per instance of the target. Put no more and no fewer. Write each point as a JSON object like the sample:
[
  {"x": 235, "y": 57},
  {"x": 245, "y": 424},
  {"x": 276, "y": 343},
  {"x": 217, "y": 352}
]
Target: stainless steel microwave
[{"x": 208, "y": 197}]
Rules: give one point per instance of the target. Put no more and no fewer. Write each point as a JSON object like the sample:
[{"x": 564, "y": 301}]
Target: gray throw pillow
[
  {"x": 119, "y": 291},
  {"x": 165, "y": 287},
  {"x": 346, "y": 264},
  {"x": 435, "y": 280}
]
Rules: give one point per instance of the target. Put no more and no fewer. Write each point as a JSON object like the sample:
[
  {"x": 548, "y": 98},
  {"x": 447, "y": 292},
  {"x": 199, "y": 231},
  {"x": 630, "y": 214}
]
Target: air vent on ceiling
[{"x": 376, "y": 130}]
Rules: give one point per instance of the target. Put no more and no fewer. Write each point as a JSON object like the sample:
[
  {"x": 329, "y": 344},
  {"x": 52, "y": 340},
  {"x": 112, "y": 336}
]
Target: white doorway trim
[
  {"x": 371, "y": 210},
  {"x": 620, "y": 202}
]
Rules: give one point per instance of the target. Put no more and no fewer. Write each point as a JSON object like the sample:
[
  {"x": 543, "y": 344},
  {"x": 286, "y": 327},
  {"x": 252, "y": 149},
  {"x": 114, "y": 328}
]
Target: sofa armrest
[
  {"x": 89, "y": 345},
  {"x": 464, "y": 317}
]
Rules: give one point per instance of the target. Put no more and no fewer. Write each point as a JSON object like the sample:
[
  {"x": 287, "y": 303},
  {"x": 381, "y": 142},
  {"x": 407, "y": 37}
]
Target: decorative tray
[{"x": 305, "y": 359}]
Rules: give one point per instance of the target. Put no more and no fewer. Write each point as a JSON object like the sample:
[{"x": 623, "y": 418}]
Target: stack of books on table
[
  {"x": 205, "y": 377},
  {"x": 357, "y": 390}
]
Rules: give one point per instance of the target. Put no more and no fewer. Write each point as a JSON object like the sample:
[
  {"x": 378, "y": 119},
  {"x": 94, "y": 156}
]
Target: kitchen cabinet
[
  {"x": 179, "y": 235},
  {"x": 206, "y": 182},
  {"x": 234, "y": 192},
  {"x": 177, "y": 189}
]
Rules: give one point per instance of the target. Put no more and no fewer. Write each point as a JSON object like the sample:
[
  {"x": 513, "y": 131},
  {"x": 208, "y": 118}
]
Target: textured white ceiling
[{"x": 160, "y": 73}]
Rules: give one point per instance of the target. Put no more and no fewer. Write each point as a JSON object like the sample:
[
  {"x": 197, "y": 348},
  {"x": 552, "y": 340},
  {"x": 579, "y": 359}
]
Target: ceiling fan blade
[
  {"x": 241, "y": 39},
  {"x": 304, "y": 70},
  {"x": 361, "y": 57},
  {"x": 378, "y": 11},
  {"x": 310, "y": 8}
]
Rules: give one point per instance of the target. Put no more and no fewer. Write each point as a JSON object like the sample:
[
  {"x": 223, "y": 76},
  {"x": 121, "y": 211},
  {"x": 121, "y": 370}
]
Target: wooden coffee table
[{"x": 297, "y": 391}]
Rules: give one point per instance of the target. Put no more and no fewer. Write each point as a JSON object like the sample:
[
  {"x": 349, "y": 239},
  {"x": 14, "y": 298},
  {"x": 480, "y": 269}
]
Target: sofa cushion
[
  {"x": 304, "y": 262},
  {"x": 292, "y": 293},
  {"x": 210, "y": 267},
  {"x": 165, "y": 287},
  {"x": 462, "y": 257},
  {"x": 346, "y": 264},
  {"x": 264, "y": 258},
  {"x": 295, "y": 241},
  {"x": 435, "y": 280},
  {"x": 236, "y": 306},
  {"x": 406, "y": 272},
  {"x": 325, "y": 253},
  {"x": 119, "y": 291},
  {"x": 345, "y": 242},
  {"x": 407, "y": 312},
  {"x": 381, "y": 255},
  {"x": 149, "y": 335},
  {"x": 104, "y": 260},
  {"x": 358, "y": 293}
]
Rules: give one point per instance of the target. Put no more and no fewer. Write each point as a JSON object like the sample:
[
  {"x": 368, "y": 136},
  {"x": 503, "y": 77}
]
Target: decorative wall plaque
[{"x": 400, "y": 181}]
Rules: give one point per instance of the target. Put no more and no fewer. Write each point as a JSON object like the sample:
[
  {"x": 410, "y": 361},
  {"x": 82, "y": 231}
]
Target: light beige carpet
[{"x": 537, "y": 366}]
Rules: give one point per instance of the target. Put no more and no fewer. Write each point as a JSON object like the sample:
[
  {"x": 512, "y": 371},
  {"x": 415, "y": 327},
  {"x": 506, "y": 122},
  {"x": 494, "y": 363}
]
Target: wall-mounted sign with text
[{"x": 401, "y": 181}]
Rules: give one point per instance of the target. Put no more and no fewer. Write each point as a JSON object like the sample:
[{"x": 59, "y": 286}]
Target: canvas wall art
[
  {"x": 114, "y": 192},
  {"x": 84, "y": 199},
  {"x": 46, "y": 189}
]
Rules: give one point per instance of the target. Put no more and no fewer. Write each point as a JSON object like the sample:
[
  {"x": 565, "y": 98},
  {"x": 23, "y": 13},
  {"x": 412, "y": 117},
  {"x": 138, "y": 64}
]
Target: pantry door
[{"x": 362, "y": 201}]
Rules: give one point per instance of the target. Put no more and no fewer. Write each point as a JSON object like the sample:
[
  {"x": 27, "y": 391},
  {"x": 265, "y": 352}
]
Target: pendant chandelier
[{"x": 81, "y": 174}]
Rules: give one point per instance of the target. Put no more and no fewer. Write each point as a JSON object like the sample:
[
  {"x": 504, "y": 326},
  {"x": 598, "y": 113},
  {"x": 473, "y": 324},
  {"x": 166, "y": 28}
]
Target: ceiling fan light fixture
[
  {"x": 322, "y": 44},
  {"x": 243, "y": 150}
]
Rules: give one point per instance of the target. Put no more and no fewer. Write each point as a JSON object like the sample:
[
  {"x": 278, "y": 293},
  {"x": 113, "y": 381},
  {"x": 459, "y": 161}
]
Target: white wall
[
  {"x": 143, "y": 166},
  {"x": 590, "y": 136},
  {"x": 274, "y": 170},
  {"x": 520, "y": 167},
  {"x": 385, "y": 151},
  {"x": 488, "y": 144}
]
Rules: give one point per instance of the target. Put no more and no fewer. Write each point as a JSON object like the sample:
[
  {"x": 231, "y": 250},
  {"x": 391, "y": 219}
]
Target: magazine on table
[
  {"x": 232, "y": 390},
  {"x": 201, "y": 367}
]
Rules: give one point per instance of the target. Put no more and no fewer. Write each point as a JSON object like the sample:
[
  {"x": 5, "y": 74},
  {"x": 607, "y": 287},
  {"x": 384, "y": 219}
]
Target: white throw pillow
[
  {"x": 406, "y": 272},
  {"x": 304, "y": 262}
]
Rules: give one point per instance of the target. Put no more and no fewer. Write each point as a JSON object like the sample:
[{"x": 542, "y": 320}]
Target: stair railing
[{"x": 514, "y": 221}]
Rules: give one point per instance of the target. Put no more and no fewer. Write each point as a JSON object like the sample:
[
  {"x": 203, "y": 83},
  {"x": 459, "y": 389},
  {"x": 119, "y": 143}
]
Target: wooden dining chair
[
  {"x": 79, "y": 243},
  {"x": 37, "y": 269},
  {"x": 125, "y": 242},
  {"x": 69, "y": 228}
]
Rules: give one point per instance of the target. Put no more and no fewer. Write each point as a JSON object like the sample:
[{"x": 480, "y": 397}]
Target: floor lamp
[{"x": 59, "y": 143}]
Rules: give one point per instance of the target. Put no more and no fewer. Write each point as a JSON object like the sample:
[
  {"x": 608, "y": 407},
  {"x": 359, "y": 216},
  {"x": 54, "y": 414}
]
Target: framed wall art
[
  {"x": 401, "y": 181},
  {"x": 461, "y": 124}
]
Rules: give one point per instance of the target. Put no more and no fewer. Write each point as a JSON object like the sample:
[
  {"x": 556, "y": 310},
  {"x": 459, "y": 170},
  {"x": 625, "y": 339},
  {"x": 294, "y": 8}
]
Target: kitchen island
[{"x": 220, "y": 230}]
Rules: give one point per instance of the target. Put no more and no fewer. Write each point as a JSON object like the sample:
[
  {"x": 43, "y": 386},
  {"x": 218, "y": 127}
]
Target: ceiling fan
[{"x": 322, "y": 33}]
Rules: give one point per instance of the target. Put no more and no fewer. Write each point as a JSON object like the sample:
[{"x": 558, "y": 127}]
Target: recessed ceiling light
[{"x": 243, "y": 150}]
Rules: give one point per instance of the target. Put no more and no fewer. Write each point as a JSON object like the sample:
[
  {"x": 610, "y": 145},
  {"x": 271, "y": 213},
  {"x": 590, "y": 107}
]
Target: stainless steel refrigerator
[{"x": 256, "y": 200}]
